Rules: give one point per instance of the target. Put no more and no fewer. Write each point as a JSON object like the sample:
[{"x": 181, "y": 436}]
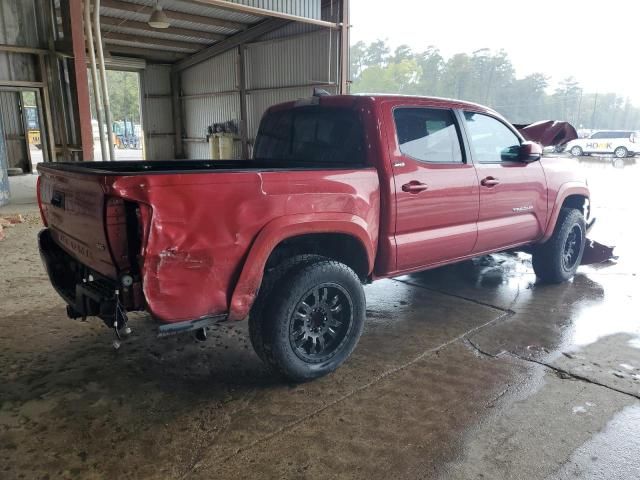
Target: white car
[{"x": 621, "y": 143}]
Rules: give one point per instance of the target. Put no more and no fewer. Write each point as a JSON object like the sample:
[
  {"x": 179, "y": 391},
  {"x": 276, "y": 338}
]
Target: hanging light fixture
[{"x": 158, "y": 19}]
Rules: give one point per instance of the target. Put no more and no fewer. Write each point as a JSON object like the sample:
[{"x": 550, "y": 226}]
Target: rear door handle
[
  {"x": 414, "y": 187},
  {"x": 489, "y": 182}
]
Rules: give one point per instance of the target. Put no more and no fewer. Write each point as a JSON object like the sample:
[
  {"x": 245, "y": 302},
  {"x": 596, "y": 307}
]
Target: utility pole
[
  {"x": 580, "y": 106},
  {"x": 593, "y": 115}
]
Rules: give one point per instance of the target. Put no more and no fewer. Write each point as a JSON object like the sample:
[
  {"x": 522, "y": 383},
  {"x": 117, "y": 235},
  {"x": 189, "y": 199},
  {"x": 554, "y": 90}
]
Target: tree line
[
  {"x": 124, "y": 95},
  {"x": 488, "y": 78}
]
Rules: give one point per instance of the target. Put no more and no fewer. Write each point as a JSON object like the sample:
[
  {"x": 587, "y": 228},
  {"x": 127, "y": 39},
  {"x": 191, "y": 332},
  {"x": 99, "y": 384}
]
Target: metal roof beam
[
  {"x": 149, "y": 41},
  {"x": 263, "y": 12},
  {"x": 146, "y": 53},
  {"x": 175, "y": 15},
  {"x": 20, "y": 49},
  {"x": 232, "y": 42},
  {"x": 141, "y": 26}
]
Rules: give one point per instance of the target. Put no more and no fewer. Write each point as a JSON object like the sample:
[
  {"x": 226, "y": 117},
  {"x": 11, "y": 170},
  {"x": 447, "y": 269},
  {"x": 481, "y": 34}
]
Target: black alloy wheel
[
  {"x": 320, "y": 322},
  {"x": 310, "y": 321},
  {"x": 572, "y": 248}
]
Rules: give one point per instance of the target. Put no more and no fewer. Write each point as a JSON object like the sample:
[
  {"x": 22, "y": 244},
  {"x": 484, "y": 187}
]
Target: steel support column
[
  {"x": 46, "y": 109},
  {"x": 176, "y": 106},
  {"x": 242, "y": 85},
  {"x": 73, "y": 29},
  {"x": 345, "y": 75}
]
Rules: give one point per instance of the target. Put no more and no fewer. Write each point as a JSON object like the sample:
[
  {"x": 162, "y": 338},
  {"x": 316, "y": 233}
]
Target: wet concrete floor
[{"x": 470, "y": 371}]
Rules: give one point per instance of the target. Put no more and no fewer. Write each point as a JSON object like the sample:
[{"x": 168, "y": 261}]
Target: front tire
[
  {"x": 313, "y": 321},
  {"x": 557, "y": 259},
  {"x": 576, "y": 151},
  {"x": 621, "y": 152}
]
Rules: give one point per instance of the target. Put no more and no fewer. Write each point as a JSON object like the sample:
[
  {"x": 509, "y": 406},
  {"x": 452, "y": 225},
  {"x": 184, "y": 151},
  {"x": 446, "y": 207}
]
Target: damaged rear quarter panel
[{"x": 203, "y": 225}]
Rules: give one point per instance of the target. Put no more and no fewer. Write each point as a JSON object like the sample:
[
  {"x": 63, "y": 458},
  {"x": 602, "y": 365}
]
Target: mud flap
[{"x": 595, "y": 252}]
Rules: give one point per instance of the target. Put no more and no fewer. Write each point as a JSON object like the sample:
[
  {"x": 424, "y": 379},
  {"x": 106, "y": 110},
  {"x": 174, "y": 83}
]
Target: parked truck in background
[{"x": 341, "y": 191}]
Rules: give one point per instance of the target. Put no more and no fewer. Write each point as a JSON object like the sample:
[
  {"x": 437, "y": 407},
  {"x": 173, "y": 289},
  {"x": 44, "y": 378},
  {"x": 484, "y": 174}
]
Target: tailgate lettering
[{"x": 74, "y": 245}]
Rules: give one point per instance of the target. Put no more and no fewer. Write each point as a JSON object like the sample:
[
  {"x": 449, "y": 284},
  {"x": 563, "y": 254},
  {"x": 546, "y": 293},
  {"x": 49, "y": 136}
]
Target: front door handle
[
  {"x": 489, "y": 182},
  {"x": 414, "y": 187}
]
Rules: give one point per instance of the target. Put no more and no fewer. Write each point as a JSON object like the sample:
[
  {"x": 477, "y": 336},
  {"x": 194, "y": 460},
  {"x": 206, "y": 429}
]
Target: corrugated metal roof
[
  {"x": 198, "y": 42},
  {"x": 200, "y": 26},
  {"x": 302, "y": 8},
  {"x": 114, "y": 42},
  {"x": 135, "y": 23},
  {"x": 143, "y": 16},
  {"x": 201, "y": 9}
]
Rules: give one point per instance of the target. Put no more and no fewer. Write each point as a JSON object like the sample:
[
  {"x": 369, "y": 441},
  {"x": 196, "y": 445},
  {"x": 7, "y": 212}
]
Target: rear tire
[
  {"x": 621, "y": 152},
  {"x": 557, "y": 259},
  {"x": 576, "y": 151},
  {"x": 271, "y": 279},
  {"x": 313, "y": 320}
]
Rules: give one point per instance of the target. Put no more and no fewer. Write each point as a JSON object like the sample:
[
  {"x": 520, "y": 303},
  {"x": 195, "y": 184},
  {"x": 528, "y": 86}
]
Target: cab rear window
[{"x": 311, "y": 135}]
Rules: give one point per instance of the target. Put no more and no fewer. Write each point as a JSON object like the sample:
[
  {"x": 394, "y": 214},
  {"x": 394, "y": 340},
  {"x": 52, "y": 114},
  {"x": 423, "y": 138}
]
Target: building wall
[
  {"x": 210, "y": 94},
  {"x": 22, "y": 24},
  {"x": 288, "y": 68},
  {"x": 283, "y": 66},
  {"x": 14, "y": 132},
  {"x": 157, "y": 112},
  {"x": 4, "y": 177}
]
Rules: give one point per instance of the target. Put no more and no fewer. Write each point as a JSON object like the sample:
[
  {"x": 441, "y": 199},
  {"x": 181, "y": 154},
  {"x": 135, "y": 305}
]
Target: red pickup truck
[{"x": 341, "y": 191}]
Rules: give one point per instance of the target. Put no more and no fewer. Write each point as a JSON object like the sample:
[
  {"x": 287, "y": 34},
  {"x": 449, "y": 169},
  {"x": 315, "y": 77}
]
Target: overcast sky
[{"x": 598, "y": 42}]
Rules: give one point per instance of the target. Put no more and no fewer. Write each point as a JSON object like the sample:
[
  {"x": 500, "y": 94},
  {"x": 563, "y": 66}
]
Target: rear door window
[
  {"x": 428, "y": 135},
  {"x": 311, "y": 135}
]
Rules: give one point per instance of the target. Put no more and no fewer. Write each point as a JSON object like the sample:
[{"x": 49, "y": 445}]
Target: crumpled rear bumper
[{"x": 86, "y": 292}]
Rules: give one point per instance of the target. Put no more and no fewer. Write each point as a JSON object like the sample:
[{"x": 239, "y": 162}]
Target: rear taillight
[
  {"x": 127, "y": 225},
  {"x": 39, "y": 195},
  {"x": 116, "y": 226},
  {"x": 143, "y": 220}
]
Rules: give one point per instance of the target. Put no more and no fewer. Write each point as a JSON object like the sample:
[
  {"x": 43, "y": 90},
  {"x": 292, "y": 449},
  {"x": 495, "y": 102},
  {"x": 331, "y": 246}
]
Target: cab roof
[{"x": 361, "y": 99}]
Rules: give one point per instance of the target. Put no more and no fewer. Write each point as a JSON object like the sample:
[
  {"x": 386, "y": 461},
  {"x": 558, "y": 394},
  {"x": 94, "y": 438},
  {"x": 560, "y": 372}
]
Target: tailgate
[{"x": 74, "y": 208}]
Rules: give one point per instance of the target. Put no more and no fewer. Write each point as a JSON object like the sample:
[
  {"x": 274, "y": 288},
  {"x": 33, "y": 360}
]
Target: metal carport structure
[{"x": 218, "y": 60}]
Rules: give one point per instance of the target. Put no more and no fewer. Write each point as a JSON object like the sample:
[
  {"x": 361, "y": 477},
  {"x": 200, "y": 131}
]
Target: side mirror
[{"x": 530, "y": 152}]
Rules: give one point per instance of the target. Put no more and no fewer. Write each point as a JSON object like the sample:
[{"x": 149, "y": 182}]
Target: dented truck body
[
  {"x": 182, "y": 238},
  {"x": 189, "y": 240}
]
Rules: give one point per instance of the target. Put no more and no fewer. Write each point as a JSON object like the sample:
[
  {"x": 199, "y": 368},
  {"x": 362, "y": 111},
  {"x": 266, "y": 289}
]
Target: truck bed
[
  {"x": 177, "y": 229},
  {"x": 151, "y": 167}
]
